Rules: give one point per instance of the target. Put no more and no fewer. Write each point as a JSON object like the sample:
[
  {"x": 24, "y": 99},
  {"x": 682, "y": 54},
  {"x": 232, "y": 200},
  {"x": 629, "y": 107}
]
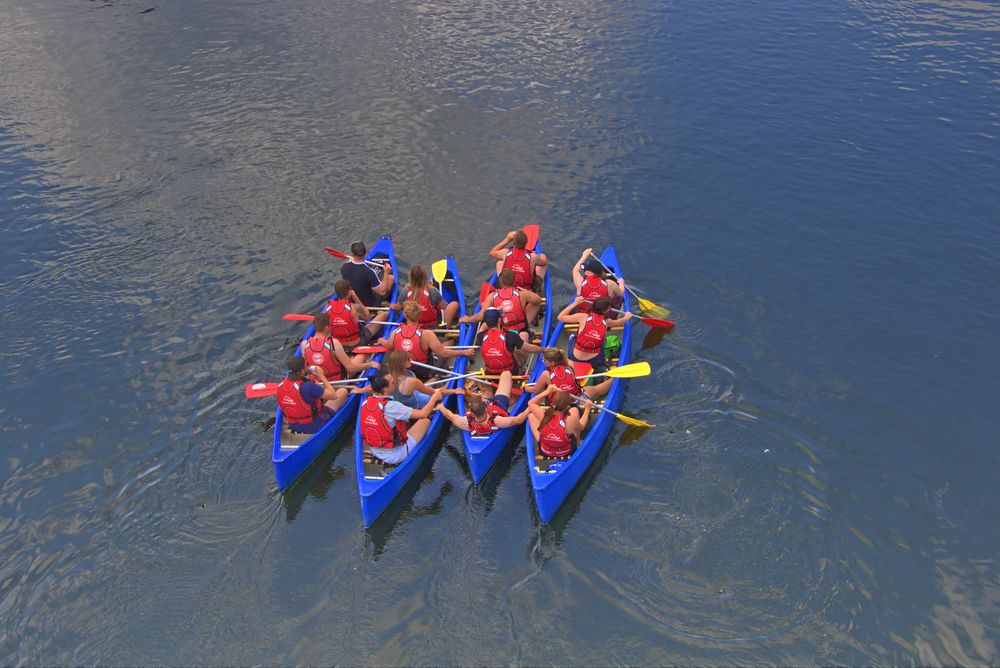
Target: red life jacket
[
  {"x": 508, "y": 301},
  {"x": 407, "y": 337},
  {"x": 429, "y": 314},
  {"x": 590, "y": 338},
  {"x": 592, "y": 288},
  {"x": 496, "y": 356},
  {"x": 518, "y": 261},
  {"x": 319, "y": 352},
  {"x": 562, "y": 377},
  {"x": 553, "y": 439},
  {"x": 485, "y": 428},
  {"x": 375, "y": 429},
  {"x": 293, "y": 406},
  {"x": 343, "y": 325}
]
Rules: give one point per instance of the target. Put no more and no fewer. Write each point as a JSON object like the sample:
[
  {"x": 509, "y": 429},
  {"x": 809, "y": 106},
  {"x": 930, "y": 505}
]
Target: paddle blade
[
  {"x": 532, "y": 232},
  {"x": 629, "y": 370},
  {"x": 581, "y": 368},
  {"x": 365, "y": 350},
  {"x": 335, "y": 253},
  {"x": 652, "y": 309},
  {"x": 439, "y": 270},
  {"x": 633, "y": 422},
  {"x": 296, "y": 316},
  {"x": 256, "y": 390},
  {"x": 484, "y": 291},
  {"x": 656, "y": 322}
]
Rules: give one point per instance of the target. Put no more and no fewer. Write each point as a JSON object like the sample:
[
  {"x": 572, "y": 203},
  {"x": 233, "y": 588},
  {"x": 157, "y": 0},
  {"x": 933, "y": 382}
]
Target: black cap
[
  {"x": 592, "y": 265},
  {"x": 296, "y": 363},
  {"x": 491, "y": 317},
  {"x": 358, "y": 249}
]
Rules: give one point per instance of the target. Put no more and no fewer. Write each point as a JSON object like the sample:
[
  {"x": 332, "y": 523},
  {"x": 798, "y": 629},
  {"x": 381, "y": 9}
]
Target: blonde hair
[
  {"x": 394, "y": 363},
  {"x": 411, "y": 310}
]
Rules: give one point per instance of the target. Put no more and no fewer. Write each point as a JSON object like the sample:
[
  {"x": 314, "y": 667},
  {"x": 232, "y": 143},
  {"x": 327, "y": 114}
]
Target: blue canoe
[
  {"x": 482, "y": 452},
  {"x": 553, "y": 479},
  {"x": 378, "y": 485},
  {"x": 293, "y": 453}
]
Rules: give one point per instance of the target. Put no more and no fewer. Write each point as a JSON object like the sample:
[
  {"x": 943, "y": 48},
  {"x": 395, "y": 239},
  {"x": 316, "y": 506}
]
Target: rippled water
[{"x": 813, "y": 190}]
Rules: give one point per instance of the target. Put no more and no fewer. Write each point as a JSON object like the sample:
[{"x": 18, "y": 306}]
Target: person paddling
[
  {"x": 433, "y": 308},
  {"x": 557, "y": 427},
  {"x": 528, "y": 267},
  {"x": 382, "y": 422},
  {"x": 346, "y": 311},
  {"x": 306, "y": 405},
  {"x": 324, "y": 351},
  {"x": 484, "y": 415},
  {"x": 588, "y": 344},
  {"x": 559, "y": 373},
  {"x": 503, "y": 349},
  {"x": 518, "y": 307},
  {"x": 592, "y": 281},
  {"x": 410, "y": 391},
  {"x": 417, "y": 342},
  {"x": 365, "y": 282}
]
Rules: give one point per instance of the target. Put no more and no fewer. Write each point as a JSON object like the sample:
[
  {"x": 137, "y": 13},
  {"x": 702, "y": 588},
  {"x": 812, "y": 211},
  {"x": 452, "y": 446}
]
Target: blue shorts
[
  {"x": 314, "y": 426},
  {"x": 502, "y": 401},
  {"x": 599, "y": 363}
]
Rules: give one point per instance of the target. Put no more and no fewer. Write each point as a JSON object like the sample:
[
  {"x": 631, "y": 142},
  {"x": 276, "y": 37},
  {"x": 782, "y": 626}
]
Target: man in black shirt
[{"x": 363, "y": 278}]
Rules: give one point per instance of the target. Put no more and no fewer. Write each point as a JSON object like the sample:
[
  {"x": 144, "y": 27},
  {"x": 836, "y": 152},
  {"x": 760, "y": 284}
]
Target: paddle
[
  {"x": 484, "y": 291},
  {"x": 439, "y": 270},
  {"x": 634, "y": 370},
  {"x": 344, "y": 256},
  {"x": 532, "y": 232},
  {"x": 257, "y": 390},
  {"x": 652, "y": 322},
  {"x": 365, "y": 350},
  {"x": 448, "y": 380},
  {"x": 631, "y": 421},
  {"x": 452, "y": 373},
  {"x": 645, "y": 305}
]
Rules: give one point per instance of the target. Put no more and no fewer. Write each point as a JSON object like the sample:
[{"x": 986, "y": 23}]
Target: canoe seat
[
  {"x": 290, "y": 440},
  {"x": 375, "y": 468}
]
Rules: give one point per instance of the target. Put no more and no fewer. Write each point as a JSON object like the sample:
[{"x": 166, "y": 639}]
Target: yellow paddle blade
[
  {"x": 439, "y": 270},
  {"x": 629, "y": 370},
  {"x": 653, "y": 310},
  {"x": 633, "y": 422}
]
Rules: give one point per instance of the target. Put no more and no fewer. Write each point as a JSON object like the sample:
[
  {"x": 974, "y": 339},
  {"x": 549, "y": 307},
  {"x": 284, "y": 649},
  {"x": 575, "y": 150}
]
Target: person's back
[{"x": 365, "y": 281}]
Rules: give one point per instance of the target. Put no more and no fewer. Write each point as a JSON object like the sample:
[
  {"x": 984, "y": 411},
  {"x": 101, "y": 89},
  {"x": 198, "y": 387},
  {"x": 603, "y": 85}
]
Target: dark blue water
[{"x": 812, "y": 188}]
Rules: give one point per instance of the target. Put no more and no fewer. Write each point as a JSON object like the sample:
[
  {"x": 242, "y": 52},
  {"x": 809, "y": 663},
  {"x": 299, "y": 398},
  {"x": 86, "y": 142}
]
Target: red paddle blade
[
  {"x": 656, "y": 322},
  {"x": 532, "y": 232},
  {"x": 365, "y": 350},
  {"x": 336, "y": 253},
  {"x": 581, "y": 368},
  {"x": 297, "y": 316},
  {"x": 256, "y": 390},
  {"x": 484, "y": 291}
]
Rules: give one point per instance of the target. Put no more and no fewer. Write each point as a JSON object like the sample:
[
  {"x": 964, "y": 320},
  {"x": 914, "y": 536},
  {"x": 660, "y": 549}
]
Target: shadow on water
[
  {"x": 402, "y": 507},
  {"x": 316, "y": 480},
  {"x": 484, "y": 494}
]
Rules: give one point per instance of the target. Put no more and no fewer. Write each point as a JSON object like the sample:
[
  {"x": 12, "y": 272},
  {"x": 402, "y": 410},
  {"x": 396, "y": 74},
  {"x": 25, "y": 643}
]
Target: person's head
[
  {"x": 411, "y": 310},
  {"x": 418, "y": 277},
  {"x": 321, "y": 323},
  {"x": 296, "y": 367},
  {"x": 506, "y": 278},
  {"x": 477, "y": 406},
  {"x": 601, "y": 305},
  {"x": 395, "y": 363},
  {"x": 554, "y": 357},
  {"x": 491, "y": 317},
  {"x": 591, "y": 265},
  {"x": 383, "y": 384},
  {"x": 559, "y": 403},
  {"x": 359, "y": 250},
  {"x": 342, "y": 288},
  {"x": 520, "y": 239}
]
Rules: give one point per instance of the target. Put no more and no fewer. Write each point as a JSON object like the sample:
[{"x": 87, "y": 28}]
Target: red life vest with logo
[
  {"x": 562, "y": 377},
  {"x": 592, "y": 288},
  {"x": 429, "y": 314},
  {"x": 375, "y": 429},
  {"x": 319, "y": 352},
  {"x": 496, "y": 356},
  {"x": 591, "y": 336},
  {"x": 553, "y": 439},
  {"x": 407, "y": 337},
  {"x": 293, "y": 406},
  {"x": 343, "y": 326},
  {"x": 485, "y": 428},
  {"x": 508, "y": 301},
  {"x": 518, "y": 261}
]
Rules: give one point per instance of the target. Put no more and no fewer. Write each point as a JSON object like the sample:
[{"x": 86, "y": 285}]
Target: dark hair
[
  {"x": 296, "y": 365},
  {"x": 520, "y": 239},
  {"x": 477, "y": 406},
  {"x": 379, "y": 383},
  {"x": 358, "y": 249},
  {"x": 559, "y": 403},
  {"x": 321, "y": 321},
  {"x": 555, "y": 356},
  {"x": 418, "y": 277},
  {"x": 342, "y": 288},
  {"x": 601, "y": 305},
  {"x": 506, "y": 278}
]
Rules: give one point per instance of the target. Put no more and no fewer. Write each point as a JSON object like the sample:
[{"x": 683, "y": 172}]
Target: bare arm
[
  {"x": 417, "y": 414},
  {"x": 577, "y": 272},
  {"x": 504, "y": 422},
  {"x": 619, "y": 321},
  {"x": 460, "y": 421},
  {"x": 566, "y": 316},
  {"x": 529, "y": 297},
  {"x": 500, "y": 250},
  {"x": 347, "y": 362},
  {"x": 382, "y": 289},
  {"x": 539, "y": 385}
]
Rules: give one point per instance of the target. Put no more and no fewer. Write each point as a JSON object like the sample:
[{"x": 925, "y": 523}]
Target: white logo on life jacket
[
  {"x": 407, "y": 345},
  {"x": 507, "y": 306},
  {"x": 370, "y": 420},
  {"x": 317, "y": 358}
]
